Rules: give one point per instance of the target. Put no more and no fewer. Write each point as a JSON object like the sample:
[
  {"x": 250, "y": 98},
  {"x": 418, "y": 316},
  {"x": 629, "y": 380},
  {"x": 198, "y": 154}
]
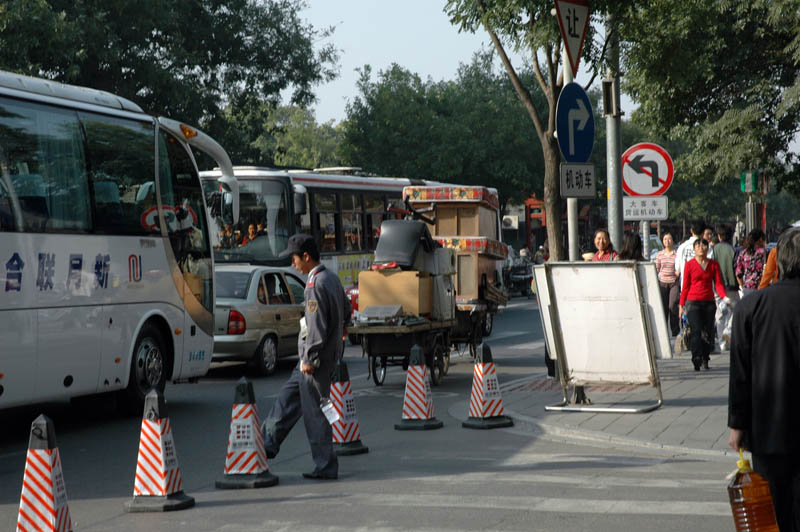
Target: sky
[{"x": 416, "y": 34}]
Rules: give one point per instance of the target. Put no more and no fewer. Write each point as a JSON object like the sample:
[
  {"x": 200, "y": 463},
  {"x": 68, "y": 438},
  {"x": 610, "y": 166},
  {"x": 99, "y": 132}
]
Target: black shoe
[
  {"x": 696, "y": 365},
  {"x": 316, "y": 475},
  {"x": 270, "y": 453},
  {"x": 705, "y": 365}
]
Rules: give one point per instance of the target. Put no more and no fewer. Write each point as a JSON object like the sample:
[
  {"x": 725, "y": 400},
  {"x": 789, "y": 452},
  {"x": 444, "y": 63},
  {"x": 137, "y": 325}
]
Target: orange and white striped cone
[
  {"x": 43, "y": 503},
  {"x": 246, "y": 459},
  {"x": 485, "y": 401},
  {"x": 158, "y": 485},
  {"x": 346, "y": 431},
  {"x": 418, "y": 402}
]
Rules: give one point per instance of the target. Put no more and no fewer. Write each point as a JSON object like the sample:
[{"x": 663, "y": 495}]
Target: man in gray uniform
[{"x": 327, "y": 310}]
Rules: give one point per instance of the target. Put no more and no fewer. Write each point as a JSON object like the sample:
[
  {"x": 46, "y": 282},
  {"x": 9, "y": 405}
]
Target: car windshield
[
  {"x": 263, "y": 228},
  {"x": 232, "y": 284}
]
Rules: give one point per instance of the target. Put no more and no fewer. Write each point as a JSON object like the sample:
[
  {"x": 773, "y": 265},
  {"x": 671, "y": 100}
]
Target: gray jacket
[{"x": 327, "y": 310}]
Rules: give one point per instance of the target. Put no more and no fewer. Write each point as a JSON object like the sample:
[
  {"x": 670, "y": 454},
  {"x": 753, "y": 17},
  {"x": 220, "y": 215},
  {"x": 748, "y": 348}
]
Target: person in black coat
[{"x": 764, "y": 376}]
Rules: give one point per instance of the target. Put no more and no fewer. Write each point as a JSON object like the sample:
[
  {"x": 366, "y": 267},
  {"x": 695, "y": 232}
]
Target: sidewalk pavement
[{"x": 692, "y": 419}]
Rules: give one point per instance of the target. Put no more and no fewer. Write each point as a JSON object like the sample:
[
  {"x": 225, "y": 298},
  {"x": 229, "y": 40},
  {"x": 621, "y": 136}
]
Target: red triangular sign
[{"x": 573, "y": 18}]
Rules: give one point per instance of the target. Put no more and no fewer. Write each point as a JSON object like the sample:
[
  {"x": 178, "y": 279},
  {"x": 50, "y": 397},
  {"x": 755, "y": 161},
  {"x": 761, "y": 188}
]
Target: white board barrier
[{"x": 601, "y": 326}]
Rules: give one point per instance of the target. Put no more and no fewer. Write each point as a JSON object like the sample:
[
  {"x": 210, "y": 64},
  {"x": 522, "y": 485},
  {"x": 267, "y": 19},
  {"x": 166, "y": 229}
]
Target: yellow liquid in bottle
[{"x": 751, "y": 503}]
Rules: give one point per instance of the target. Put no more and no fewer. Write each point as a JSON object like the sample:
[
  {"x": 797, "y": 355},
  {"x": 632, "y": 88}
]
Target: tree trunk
[{"x": 554, "y": 205}]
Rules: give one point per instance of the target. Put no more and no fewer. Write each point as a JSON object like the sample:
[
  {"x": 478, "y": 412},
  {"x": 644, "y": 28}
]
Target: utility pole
[{"x": 613, "y": 140}]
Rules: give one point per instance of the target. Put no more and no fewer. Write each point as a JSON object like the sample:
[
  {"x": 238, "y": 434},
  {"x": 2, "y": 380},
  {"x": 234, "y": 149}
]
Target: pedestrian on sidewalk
[
  {"x": 605, "y": 250},
  {"x": 770, "y": 273},
  {"x": 327, "y": 310},
  {"x": 686, "y": 249},
  {"x": 631, "y": 248},
  {"x": 700, "y": 278},
  {"x": 708, "y": 235},
  {"x": 750, "y": 262},
  {"x": 668, "y": 282},
  {"x": 724, "y": 255},
  {"x": 764, "y": 374}
]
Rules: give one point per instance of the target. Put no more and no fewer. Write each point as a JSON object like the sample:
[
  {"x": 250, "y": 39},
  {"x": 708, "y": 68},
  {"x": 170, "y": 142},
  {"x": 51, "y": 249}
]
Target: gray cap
[{"x": 299, "y": 244}]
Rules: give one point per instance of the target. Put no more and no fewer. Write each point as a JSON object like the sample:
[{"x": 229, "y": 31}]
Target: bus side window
[
  {"x": 44, "y": 170},
  {"x": 121, "y": 160}
]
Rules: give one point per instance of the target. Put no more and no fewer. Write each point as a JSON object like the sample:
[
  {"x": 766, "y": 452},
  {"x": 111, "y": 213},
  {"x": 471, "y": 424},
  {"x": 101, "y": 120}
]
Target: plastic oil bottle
[{"x": 751, "y": 501}]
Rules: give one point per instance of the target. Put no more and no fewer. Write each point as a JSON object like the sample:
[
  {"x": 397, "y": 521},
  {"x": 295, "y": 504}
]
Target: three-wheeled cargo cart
[
  {"x": 388, "y": 342},
  {"x": 407, "y": 299},
  {"x": 466, "y": 220}
]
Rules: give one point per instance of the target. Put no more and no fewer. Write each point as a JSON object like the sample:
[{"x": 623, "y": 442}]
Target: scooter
[{"x": 520, "y": 276}]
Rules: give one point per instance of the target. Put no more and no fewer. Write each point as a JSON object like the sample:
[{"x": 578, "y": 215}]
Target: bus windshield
[{"x": 264, "y": 224}]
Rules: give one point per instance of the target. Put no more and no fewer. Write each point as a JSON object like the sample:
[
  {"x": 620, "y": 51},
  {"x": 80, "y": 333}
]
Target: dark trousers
[
  {"x": 701, "y": 321},
  {"x": 299, "y": 397},
  {"x": 670, "y": 299},
  {"x": 782, "y": 471}
]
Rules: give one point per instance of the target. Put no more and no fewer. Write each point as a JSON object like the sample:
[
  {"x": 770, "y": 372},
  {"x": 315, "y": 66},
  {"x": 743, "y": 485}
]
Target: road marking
[
  {"x": 590, "y": 482},
  {"x": 435, "y": 499}
]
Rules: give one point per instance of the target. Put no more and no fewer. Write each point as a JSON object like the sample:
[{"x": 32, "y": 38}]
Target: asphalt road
[{"x": 447, "y": 479}]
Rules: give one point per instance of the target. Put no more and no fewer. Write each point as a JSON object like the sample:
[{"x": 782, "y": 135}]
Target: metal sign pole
[{"x": 572, "y": 203}]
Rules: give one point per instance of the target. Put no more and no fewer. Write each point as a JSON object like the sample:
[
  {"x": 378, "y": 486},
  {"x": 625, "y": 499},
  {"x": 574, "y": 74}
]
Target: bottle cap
[{"x": 742, "y": 464}]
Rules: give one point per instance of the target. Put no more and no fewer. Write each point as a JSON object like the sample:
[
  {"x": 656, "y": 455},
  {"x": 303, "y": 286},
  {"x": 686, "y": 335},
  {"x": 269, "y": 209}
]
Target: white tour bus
[{"x": 107, "y": 271}]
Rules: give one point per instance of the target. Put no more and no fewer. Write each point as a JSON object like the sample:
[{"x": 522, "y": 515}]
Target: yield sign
[
  {"x": 573, "y": 17},
  {"x": 646, "y": 170}
]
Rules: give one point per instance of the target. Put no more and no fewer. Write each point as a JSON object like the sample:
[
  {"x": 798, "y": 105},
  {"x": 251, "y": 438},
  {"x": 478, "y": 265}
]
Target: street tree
[
  {"x": 529, "y": 27},
  {"x": 298, "y": 140},
  {"x": 470, "y": 130},
  {"x": 208, "y": 62},
  {"x": 723, "y": 77}
]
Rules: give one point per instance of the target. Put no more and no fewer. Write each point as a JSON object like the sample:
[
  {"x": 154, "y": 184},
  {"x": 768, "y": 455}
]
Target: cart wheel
[
  {"x": 378, "y": 370},
  {"x": 437, "y": 371},
  {"x": 446, "y": 363},
  {"x": 488, "y": 323}
]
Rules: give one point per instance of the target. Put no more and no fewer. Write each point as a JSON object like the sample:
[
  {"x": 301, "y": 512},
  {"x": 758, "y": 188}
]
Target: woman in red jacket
[{"x": 700, "y": 276}]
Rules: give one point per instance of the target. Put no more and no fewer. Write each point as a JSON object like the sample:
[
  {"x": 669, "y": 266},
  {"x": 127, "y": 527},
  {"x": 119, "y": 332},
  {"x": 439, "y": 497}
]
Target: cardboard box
[
  {"x": 472, "y": 267},
  {"x": 465, "y": 220},
  {"x": 412, "y": 290}
]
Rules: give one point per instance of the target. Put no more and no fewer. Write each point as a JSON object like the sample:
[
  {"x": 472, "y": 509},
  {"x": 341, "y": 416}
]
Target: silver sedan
[{"x": 257, "y": 315}]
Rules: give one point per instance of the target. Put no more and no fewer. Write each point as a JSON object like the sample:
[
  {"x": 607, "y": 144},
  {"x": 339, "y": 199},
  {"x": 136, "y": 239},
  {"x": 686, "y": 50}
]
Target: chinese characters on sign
[
  {"x": 577, "y": 180},
  {"x": 639, "y": 208}
]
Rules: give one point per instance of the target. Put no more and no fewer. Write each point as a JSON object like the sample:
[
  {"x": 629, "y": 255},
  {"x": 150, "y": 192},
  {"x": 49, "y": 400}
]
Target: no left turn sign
[{"x": 646, "y": 170}]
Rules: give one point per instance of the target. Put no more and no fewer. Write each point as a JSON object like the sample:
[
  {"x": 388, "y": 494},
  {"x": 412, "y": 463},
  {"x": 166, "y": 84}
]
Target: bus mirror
[
  {"x": 230, "y": 199},
  {"x": 300, "y": 195}
]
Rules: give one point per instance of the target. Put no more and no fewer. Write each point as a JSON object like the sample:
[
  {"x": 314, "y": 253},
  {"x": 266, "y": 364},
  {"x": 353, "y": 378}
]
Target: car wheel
[
  {"x": 148, "y": 368},
  {"x": 266, "y": 356}
]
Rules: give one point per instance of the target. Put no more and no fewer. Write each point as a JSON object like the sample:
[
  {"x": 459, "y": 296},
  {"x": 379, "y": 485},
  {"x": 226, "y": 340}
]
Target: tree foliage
[
  {"x": 218, "y": 63},
  {"x": 723, "y": 77},
  {"x": 470, "y": 130},
  {"x": 300, "y": 141}
]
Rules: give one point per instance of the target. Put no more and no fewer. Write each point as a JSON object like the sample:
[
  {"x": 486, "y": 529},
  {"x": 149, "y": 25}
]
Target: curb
[{"x": 528, "y": 425}]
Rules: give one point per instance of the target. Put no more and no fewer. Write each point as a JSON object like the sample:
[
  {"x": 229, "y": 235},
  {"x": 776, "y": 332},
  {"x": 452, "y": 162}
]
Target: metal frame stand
[{"x": 563, "y": 371}]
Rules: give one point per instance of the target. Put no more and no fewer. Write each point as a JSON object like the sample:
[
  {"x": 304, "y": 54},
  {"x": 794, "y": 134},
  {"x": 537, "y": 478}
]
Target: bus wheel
[{"x": 148, "y": 368}]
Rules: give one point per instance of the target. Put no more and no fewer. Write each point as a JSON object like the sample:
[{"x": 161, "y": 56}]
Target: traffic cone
[
  {"x": 485, "y": 401},
  {"x": 346, "y": 431},
  {"x": 246, "y": 460},
  {"x": 418, "y": 402},
  {"x": 43, "y": 503},
  {"x": 158, "y": 483}
]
